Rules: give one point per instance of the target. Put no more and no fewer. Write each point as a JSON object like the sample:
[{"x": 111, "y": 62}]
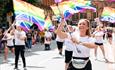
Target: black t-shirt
[{"x": 29, "y": 36}]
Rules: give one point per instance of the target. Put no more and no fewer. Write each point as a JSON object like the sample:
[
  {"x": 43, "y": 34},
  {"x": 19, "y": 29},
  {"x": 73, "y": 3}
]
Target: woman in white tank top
[{"x": 98, "y": 35}]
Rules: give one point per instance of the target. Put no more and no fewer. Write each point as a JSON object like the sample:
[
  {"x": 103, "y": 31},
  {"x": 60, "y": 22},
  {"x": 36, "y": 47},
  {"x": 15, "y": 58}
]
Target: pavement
[{"x": 39, "y": 59}]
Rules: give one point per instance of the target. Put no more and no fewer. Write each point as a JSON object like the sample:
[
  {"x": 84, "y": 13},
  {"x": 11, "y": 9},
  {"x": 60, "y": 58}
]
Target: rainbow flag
[
  {"x": 24, "y": 25},
  {"x": 108, "y": 14},
  {"x": 55, "y": 10},
  {"x": 84, "y": 5},
  {"x": 48, "y": 23},
  {"x": 63, "y": 8},
  {"x": 28, "y": 13},
  {"x": 68, "y": 8}
]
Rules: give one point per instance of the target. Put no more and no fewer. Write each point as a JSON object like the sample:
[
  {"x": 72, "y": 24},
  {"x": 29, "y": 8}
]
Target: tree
[{"x": 32, "y": 1}]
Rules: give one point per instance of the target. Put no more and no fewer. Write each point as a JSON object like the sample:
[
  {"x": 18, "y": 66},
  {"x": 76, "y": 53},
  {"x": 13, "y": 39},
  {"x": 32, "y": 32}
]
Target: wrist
[{"x": 80, "y": 43}]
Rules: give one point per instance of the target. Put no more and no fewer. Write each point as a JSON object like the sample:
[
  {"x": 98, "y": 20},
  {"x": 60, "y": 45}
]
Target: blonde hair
[
  {"x": 88, "y": 24},
  {"x": 98, "y": 28}
]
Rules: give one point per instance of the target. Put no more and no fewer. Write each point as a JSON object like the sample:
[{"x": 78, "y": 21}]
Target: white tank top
[
  {"x": 10, "y": 40},
  {"x": 99, "y": 36}
]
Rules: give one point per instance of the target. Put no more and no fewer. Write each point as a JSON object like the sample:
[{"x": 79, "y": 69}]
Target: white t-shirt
[
  {"x": 59, "y": 39},
  {"x": 85, "y": 51},
  {"x": 47, "y": 35},
  {"x": 98, "y": 36},
  {"x": 68, "y": 43},
  {"x": 17, "y": 35},
  {"x": 10, "y": 40}
]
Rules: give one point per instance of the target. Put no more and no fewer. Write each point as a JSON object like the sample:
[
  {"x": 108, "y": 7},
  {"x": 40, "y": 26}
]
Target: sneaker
[
  {"x": 60, "y": 53},
  {"x": 25, "y": 68},
  {"x": 106, "y": 60}
]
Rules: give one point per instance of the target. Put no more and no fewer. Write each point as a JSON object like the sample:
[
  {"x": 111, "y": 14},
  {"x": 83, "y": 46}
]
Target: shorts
[
  {"x": 59, "y": 45},
  {"x": 99, "y": 44},
  {"x": 10, "y": 47},
  {"x": 4, "y": 41}
]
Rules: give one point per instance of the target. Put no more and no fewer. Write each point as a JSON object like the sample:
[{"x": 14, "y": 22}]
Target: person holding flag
[
  {"x": 20, "y": 37},
  {"x": 79, "y": 44}
]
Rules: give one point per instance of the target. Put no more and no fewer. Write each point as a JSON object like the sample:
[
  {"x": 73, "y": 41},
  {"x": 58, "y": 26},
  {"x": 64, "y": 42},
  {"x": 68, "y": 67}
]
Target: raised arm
[{"x": 60, "y": 31}]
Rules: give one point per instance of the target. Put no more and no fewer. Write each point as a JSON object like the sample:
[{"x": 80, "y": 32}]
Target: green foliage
[
  {"x": 31, "y": 1},
  {"x": 1, "y": 1},
  {"x": 5, "y": 7}
]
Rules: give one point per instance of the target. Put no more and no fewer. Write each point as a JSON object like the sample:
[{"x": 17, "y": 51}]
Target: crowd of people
[{"x": 78, "y": 41}]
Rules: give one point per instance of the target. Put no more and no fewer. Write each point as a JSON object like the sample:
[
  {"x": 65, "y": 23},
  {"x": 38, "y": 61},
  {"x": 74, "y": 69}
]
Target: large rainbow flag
[
  {"x": 70, "y": 7},
  {"x": 26, "y": 12},
  {"x": 108, "y": 14},
  {"x": 65, "y": 8}
]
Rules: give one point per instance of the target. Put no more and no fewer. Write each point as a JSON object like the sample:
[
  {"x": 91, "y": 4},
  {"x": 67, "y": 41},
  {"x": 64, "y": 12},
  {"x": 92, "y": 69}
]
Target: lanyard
[{"x": 78, "y": 50}]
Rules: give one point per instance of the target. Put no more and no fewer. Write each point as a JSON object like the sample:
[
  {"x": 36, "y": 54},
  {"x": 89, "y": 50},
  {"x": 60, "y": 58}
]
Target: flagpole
[
  {"x": 61, "y": 13},
  {"x": 6, "y": 32}
]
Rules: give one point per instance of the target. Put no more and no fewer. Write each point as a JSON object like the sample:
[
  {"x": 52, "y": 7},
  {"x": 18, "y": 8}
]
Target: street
[{"x": 38, "y": 59}]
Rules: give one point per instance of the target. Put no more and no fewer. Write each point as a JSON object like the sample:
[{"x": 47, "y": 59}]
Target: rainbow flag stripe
[
  {"x": 29, "y": 13},
  {"x": 68, "y": 8},
  {"x": 108, "y": 14},
  {"x": 48, "y": 23}
]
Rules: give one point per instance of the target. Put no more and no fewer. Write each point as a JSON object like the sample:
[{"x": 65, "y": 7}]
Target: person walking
[
  {"x": 29, "y": 40},
  {"x": 79, "y": 44},
  {"x": 10, "y": 45},
  {"x": 59, "y": 43},
  {"x": 109, "y": 35},
  {"x": 42, "y": 33},
  {"x": 19, "y": 36},
  {"x": 98, "y": 35},
  {"x": 47, "y": 39},
  {"x": 1, "y": 36}
]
